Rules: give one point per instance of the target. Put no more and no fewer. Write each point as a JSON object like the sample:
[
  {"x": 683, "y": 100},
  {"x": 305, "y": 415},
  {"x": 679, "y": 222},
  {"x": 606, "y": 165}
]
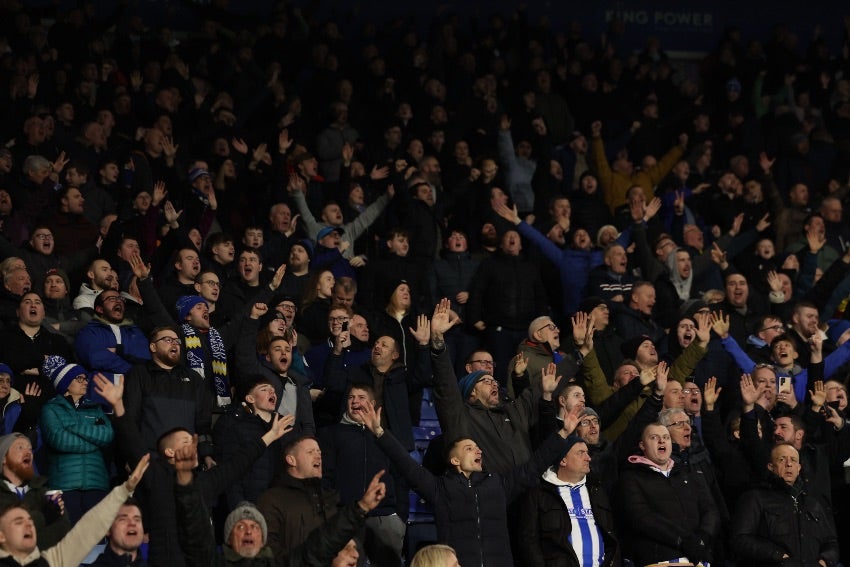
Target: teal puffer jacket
[{"x": 75, "y": 439}]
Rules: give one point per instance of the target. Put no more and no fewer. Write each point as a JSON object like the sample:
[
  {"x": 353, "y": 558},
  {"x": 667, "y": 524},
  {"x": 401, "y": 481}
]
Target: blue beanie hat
[
  {"x": 837, "y": 328},
  {"x": 6, "y": 369},
  {"x": 468, "y": 382},
  {"x": 61, "y": 372},
  {"x": 186, "y": 303}
]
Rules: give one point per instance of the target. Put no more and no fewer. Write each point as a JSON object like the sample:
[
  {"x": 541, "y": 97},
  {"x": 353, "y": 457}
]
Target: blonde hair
[{"x": 436, "y": 555}]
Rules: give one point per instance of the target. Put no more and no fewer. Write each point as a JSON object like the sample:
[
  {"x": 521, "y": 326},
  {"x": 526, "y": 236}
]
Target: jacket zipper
[{"x": 477, "y": 522}]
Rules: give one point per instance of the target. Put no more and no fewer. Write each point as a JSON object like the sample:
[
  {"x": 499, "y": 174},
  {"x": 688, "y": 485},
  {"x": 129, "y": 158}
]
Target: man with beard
[
  {"x": 111, "y": 343},
  {"x": 100, "y": 277},
  {"x": 297, "y": 268},
  {"x": 473, "y": 406},
  {"x": 22, "y": 486},
  {"x": 350, "y": 456},
  {"x": 292, "y": 389},
  {"x": 187, "y": 265},
  {"x": 162, "y": 394}
]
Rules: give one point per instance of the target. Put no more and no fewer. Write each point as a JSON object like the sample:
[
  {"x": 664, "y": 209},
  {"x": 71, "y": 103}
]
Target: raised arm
[
  {"x": 552, "y": 252},
  {"x": 447, "y": 396},
  {"x": 365, "y": 219},
  {"x": 246, "y": 345},
  {"x": 422, "y": 481},
  {"x": 720, "y": 324}
]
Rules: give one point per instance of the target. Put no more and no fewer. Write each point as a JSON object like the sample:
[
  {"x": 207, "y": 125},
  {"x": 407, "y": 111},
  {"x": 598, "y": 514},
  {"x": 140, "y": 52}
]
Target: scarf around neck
[{"x": 195, "y": 360}]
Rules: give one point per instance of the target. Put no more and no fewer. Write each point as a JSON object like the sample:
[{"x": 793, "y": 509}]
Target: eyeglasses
[
  {"x": 682, "y": 423},
  {"x": 43, "y": 236},
  {"x": 550, "y": 326},
  {"x": 81, "y": 378},
  {"x": 211, "y": 283},
  {"x": 589, "y": 422},
  {"x": 338, "y": 319},
  {"x": 168, "y": 340},
  {"x": 487, "y": 381},
  {"x": 689, "y": 391},
  {"x": 489, "y": 363},
  {"x": 287, "y": 306}
]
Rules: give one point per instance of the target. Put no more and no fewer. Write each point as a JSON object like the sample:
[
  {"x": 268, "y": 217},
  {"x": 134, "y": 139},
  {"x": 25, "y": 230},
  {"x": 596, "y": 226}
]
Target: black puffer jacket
[
  {"x": 545, "y": 525},
  {"x": 781, "y": 519},
  {"x": 233, "y": 431},
  {"x": 471, "y": 512},
  {"x": 658, "y": 512},
  {"x": 350, "y": 458}
]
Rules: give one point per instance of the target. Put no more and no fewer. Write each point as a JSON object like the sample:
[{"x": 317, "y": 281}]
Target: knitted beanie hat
[
  {"x": 61, "y": 372},
  {"x": 186, "y": 303},
  {"x": 245, "y": 511}
]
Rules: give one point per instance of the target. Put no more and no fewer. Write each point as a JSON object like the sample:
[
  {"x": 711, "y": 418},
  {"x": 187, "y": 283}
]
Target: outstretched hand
[
  {"x": 422, "y": 332},
  {"x": 371, "y": 418},
  {"x": 112, "y": 392},
  {"x": 136, "y": 476},
  {"x": 281, "y": 425},
  {"x": 720, "y": 324},
  {"x": 661, "y": 373},
  {"x": 510, "y": 215},
  {"x": 711, "y": 393},
  {"x": 571, "y": 420},
  {"x": 549, "y": 378},
  {"x": 749, "y": 392},
  {"x": 443, "y": 319},
  {"x": 140, "y": 269}
]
